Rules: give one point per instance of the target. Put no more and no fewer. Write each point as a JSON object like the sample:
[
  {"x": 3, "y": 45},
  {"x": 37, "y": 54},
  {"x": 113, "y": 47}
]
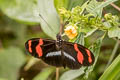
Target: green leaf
[
  {"x": 83, "y": 7},
  {"x": 74, "y": 3},
  {"x": 92, "y": 5},
  {"x": 80, "y": 38},
  {"x": 95, "y": 48},
  {"x": 28, "y": 11},
  {"x": 114, "y": 32},
  {"x": 11, "y": 60},
  {"x": 107, "y": 25},
  {"x": 68, "y": 4},
  {"x": 44, "y": 74},
  {"x": 61, "y": 3},
  {"x": 72, "y": 74},
  {"x": 96, "y": 7},
  {"x": 48, "y": 12},
  {"x": 21, "y": 10},
  {"x": 89, "y": 31},
  {"x": 117, "y": 77},
  {"x": 112, "y": 70},
  {"x": 103, "y": 4}
]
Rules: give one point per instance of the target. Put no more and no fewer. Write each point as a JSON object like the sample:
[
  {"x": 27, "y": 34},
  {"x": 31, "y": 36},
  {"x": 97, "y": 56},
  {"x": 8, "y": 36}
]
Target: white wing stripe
[
  {"x": 58, "y": 53},
  {"x": 68, "y": 56}
]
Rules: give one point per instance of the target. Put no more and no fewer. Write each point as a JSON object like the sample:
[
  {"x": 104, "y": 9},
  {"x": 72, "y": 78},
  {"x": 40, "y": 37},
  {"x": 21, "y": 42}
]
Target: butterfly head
[
  {"x": 58, "y": 41},
  {"x": 58, "y": 37}
]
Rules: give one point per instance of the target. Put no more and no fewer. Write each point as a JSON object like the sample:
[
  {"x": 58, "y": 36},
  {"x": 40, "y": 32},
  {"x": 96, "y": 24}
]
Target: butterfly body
[{"x": 60, "y": 53}]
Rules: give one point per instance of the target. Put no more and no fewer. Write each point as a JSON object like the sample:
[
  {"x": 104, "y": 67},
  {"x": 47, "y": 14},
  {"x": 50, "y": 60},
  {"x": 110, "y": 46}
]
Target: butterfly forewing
[
  {"x": 37, "y": 47},
  {"x": 44, "y": 49}
]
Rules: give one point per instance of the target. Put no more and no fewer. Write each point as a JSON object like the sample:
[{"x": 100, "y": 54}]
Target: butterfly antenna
[
  {"x": 61, "y": 28},
  {"x": 45, "y": 22}
]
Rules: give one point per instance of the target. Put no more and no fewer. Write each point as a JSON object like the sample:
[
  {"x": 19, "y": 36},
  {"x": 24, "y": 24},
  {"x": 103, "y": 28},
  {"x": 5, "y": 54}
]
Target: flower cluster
[{"x": 85, "y": 22}]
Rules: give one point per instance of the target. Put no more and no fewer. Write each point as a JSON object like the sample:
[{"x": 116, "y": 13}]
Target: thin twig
[
  {"x": 116, "y": 40},
  {"x": 61, "y": 27},
  {"x": 113, "y": 53},
  {"x": 57, "y": 73},
  {"x": 115, "y": 6}
]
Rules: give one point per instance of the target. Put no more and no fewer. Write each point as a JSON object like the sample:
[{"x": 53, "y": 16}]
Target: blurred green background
[{"x": 20, "y": 21}]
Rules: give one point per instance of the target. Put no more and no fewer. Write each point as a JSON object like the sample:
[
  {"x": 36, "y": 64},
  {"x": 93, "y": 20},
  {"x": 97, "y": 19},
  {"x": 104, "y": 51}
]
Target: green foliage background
[{"x": 20, "y": 21}]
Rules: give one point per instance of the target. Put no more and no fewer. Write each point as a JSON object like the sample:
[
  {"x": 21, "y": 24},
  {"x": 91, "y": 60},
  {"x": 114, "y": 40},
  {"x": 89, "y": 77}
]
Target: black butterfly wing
[
  {"x": 71, "y": 55},
  {"x": 44, "y": 49},
  {"x": 77, "y": 55}
]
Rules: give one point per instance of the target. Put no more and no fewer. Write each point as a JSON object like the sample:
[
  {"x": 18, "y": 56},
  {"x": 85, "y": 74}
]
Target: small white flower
[{"x": 71, "y": 31}]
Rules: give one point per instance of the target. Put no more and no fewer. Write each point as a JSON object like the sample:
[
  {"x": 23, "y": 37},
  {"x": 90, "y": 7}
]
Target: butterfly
[{"x": 60, "y": 53}]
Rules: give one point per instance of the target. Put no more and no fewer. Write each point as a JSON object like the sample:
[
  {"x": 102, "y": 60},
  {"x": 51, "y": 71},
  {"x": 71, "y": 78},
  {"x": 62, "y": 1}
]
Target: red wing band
[
  {"x": 38, "y": 48},
  {"x": 79, "y": 54},
  {"x": 29, "y": 46},
  {"x": 89, "y": 56}
]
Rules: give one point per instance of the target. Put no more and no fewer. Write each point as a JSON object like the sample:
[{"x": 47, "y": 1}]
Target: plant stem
[
  {"x": 115, "y": 6},
  {"x": 57, "y": 73},
  {"x": 113, "y": 53}
]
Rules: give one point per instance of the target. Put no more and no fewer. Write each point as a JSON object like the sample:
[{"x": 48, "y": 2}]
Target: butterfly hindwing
[
  {"x": 53, "y": 58},
  {"x": 77, "y": 55}
]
